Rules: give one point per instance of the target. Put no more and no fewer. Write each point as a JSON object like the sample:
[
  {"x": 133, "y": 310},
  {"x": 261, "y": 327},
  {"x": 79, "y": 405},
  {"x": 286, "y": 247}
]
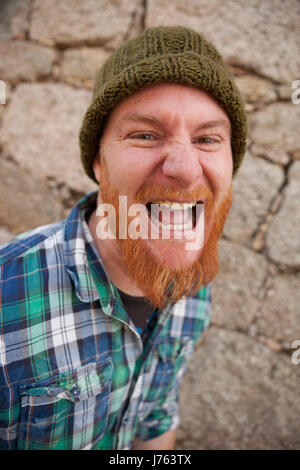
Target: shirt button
[
  {"x": 75, "y": 391},
  {"x": 125, "y": 420}
]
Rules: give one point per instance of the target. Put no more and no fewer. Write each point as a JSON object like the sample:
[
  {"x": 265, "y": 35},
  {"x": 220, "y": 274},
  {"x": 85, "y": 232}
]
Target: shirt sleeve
[
  {"x": 164, "y": 413},
  {"x": 163, "y": 417}
]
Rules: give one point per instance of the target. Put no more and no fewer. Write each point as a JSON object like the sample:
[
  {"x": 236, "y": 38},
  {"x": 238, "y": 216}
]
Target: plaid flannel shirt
[{"x": 74, "y": 371}]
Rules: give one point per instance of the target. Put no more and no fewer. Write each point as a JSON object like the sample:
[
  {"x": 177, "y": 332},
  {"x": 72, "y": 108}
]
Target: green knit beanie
[{"x": 162, "y": 54}]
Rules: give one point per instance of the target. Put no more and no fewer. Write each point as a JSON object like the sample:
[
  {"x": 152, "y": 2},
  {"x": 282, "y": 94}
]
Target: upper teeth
[{"x": 175, "y": 205}]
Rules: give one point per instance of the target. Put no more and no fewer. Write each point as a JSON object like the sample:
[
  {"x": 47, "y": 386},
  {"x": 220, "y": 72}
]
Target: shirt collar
[{"x": 81, "y": 257}]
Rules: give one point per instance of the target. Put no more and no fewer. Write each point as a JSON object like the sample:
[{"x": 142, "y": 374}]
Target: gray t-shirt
[{"x": 138, "y": 308}]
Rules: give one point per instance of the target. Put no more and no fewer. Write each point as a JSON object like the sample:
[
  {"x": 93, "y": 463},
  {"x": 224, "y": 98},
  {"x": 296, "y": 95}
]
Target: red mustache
[{"x": 154, "y": 192}]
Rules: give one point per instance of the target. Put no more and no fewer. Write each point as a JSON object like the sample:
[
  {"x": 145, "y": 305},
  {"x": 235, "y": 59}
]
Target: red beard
[{"x": 160, "y": 282}]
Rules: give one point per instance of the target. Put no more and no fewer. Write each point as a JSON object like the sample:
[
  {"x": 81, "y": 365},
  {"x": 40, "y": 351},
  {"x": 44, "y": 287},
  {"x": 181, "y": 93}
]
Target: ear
[{"x": 97, "y": 166}]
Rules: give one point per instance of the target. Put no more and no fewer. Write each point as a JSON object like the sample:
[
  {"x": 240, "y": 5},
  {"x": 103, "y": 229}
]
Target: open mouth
[{"x": 174, "y": 215}]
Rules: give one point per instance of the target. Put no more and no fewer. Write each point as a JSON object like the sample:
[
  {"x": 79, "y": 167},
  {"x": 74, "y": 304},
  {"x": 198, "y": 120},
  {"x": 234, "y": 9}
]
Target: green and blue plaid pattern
[{"x": 74, "y": 371}]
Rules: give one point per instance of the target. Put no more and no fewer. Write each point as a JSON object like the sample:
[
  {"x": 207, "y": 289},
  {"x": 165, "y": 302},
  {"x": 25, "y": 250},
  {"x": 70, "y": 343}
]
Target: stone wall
[{"x": 241, "y": 390}]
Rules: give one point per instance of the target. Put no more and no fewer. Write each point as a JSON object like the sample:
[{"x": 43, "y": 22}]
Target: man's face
[{"x": 168, "y": 143}]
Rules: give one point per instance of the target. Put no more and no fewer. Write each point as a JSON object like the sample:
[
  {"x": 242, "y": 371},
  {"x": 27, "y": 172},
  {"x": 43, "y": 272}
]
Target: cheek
[
  {"x": 129, "y": 168},
  {"x": 219, "y": 171}
]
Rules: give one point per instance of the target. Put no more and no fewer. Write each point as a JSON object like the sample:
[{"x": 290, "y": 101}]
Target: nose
[{"x": 182, "y": 163}]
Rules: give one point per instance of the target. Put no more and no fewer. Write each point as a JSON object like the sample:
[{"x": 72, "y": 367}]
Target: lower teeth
[{"x": 175, "y": 227}]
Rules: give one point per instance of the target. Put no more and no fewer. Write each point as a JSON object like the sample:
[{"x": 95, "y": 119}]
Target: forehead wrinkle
[
  {"x": 215, "y": 123},
  {"x": 136, "y": 117},
  {"x": 167, "y": 121}
]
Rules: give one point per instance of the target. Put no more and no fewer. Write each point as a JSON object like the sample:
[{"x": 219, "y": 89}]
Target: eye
[
  {"x": 205, "y": 140},
  {"x": 143, "y": 136}
]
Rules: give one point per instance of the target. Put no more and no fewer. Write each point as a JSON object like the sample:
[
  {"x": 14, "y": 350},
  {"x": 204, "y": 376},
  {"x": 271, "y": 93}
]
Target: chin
[{"x": 173, "y": 253}]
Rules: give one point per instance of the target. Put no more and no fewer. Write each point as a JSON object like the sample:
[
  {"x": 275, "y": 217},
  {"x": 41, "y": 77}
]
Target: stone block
[
  {"x": 22, "y": 60},
  {"x": 26, "y": 202},
  {"x": 79, "y": 66},
  {"x": 238, "y": 394},
  {"x": 5, "y": 236},
  {"x": 92, "y": 22},
  {"x": 283, "y": 240},
  {"x": 256, "y": 90},
  {"x": 258, "y": 36},
  {"x": 274, "y": 131},
  {"x": 40, "y": 130},
  {"x": 14, "y": 16},
  {"x": 279, "y": 317},
  {"x": 238, "y": 287},
  {"x": 254, "y": 188}
]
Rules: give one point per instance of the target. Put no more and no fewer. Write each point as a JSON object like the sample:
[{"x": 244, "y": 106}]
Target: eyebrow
[
  {"x": 215, "y": 123},
  {"x": 134, "y": 117}
]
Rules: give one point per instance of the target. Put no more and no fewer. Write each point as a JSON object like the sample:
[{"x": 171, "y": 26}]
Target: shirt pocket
[{"x": 67, "y": 411}]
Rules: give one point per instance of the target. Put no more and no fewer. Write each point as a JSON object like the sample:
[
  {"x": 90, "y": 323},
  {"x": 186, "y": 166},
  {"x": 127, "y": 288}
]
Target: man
[{"x": 99, "y": 323}]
